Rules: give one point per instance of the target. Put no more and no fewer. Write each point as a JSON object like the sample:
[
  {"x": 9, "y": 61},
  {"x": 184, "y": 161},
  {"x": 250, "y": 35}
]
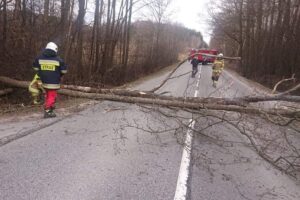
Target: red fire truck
[{"x": 202, "y": 58}]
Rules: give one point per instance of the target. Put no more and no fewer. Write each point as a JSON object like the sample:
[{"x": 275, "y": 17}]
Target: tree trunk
[
  {"x": 179, "y": 102},
  {"x": 79, "y": 41},
  {"x": 127, "y": 41},
  {"x": 46, "y": 11},
  {"x": 4, "y": 31},
  {"x": 6, "y": 91},
  {"x": 65, "y": 12},
  {"x": 24, "y": 18}
]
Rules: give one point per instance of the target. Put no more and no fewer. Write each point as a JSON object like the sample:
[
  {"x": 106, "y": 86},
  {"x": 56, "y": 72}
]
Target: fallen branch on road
[
  {"x": 203, "y": 108},
  {"x": 141, "y": 97},
  {"x": 272, "y": 143},
  {"x": 169, "y": 76},
  {"x": 239, "y": 101}
]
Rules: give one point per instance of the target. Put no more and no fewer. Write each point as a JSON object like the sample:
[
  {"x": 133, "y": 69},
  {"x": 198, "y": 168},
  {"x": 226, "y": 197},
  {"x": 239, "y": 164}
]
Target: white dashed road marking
[{"x": 184, "y": 171}]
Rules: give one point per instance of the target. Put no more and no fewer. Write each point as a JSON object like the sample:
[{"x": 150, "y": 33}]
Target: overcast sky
[{"x": 192, "y": 14}]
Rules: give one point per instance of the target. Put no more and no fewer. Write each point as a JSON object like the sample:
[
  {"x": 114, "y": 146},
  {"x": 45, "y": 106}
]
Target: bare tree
[
  {"x": 106, "y": 48},
  {"x": 266, "y": 37}
]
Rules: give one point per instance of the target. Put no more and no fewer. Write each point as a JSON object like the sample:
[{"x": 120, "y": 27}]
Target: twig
[
  {"x": 169, "y": 76},
  {"x": 290, "y": 90},
  {"x": 282, "y": 81}
]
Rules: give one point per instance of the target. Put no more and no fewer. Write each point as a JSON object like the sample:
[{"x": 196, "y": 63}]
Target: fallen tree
[
  {"x": 144, "y": 97},
  {"x": 70, "y": 90},
  {"x": 6, "y": 91},
  {"x": 287, "y": 161}
]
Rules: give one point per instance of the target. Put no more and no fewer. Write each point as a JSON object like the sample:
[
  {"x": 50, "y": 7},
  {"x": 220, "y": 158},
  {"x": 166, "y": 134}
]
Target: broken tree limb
[
  {"x": 78, "y": 88},
  {"x": 239, "y": 101},
  {"x": 136, "y": 93},
  {"x": 6, "y": 91},
  {"x": 290, "y": 90},
  {"x": 25, "y": 84},
  {"x": 278, "y": 97},
  {"x": 282, "y": 81},
  {"x": 13, "y": 82},
  {"x": 188, "y": 103},
  {"x": 180, "y": 104},
  {"x": 109, "y": 91},
  {"x": 169, "y": 76}
]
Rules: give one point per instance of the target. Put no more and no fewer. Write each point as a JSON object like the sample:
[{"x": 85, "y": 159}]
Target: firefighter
[
  {"x": 217, "y": 69},
  {"x": 194, "y": 63},
  {"x": 36, "y": 90},
  {"x": 50, "y": 69}
]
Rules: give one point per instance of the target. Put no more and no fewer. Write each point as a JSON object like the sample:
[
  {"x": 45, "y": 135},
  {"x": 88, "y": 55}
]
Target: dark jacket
[
  {"x": 195, "y": 62},
  {"x": 50, "y": 68}
]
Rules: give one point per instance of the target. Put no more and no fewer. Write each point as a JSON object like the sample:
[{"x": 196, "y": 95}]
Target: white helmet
[
  {"x": 52, "y": 46},
  {"x": 220, "y": 55}
]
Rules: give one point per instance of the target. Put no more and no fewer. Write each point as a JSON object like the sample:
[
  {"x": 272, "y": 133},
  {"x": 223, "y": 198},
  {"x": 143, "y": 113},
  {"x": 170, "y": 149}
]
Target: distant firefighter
[
  {"x": 217, "y": 69},
  {"x": 194, "y": 63}
]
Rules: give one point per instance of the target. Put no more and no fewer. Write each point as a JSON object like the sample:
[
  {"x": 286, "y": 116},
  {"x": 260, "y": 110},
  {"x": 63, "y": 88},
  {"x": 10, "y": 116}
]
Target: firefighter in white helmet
[
  {"x": 217, "y": 69},
  {"x": 50, "y": 68}
]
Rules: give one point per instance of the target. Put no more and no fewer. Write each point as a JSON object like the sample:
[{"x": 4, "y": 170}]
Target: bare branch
[{"x": 282, "y": 81}]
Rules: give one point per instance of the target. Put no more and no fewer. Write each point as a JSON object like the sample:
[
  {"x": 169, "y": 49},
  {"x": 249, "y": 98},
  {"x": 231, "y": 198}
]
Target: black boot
[{"x": 49, "y": 113}]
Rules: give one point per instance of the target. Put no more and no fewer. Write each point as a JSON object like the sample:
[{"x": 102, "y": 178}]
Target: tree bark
[
  {"x": 4, "y": 31},
  {"x": 6, "y": 91},
  {"x": 65, "y": 12},
  {"x": 46, "y": 10}
]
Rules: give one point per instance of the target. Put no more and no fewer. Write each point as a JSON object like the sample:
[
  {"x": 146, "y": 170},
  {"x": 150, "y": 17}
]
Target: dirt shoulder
[
  {"x": 22, "y": 111},
  {"x": 261, "y": 88}
]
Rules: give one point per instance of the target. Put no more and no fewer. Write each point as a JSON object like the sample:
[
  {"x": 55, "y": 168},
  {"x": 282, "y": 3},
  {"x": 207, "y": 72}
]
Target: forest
[
  {"x": 264, "y": 33},
  {"x": 102, "y": 46},
  {"x": 110, "y": 42}
]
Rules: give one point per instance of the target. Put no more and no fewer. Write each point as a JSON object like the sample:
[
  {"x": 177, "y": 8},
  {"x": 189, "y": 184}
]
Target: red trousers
[{"x": 50, "y": 98}]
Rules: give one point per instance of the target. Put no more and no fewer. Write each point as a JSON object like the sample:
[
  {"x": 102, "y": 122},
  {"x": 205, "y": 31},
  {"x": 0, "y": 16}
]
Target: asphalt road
[{"x": 121, "y": 151}]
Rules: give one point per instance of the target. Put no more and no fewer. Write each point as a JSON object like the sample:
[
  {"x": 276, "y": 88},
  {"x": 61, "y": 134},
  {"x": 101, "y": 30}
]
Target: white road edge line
[{"x": 182, "y": 181}]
